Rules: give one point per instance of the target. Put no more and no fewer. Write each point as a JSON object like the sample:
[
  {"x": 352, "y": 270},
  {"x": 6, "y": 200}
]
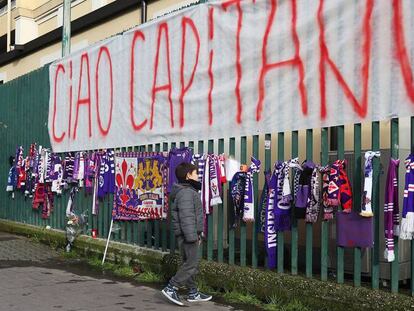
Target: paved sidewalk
[{"x": 34, "y": 278}]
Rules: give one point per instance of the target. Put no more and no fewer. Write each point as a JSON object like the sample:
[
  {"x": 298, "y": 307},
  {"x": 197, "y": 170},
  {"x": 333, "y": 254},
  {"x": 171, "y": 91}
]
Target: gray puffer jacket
[{"x": 186, "y": 212}]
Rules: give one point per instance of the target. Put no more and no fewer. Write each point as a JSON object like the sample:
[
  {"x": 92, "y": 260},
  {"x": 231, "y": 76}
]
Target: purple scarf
[
  {"x": 248, "y": 213},
  {"x": 282, "y": 207},
  {"x": 407, "y": 221},
  {"x": 270, "y": 235}
]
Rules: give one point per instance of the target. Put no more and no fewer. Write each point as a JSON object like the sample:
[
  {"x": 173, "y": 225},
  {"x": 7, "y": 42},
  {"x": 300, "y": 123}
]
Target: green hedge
[{"x": 315, "y": 294}]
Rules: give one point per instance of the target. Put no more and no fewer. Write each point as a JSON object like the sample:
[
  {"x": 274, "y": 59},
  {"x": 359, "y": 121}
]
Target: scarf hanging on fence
[
  {"x": 48, "y": 165},
  {"x": 214, "y": 179},
  {"x": 222, "y": 161},
  {"x": 57, "y": 175},
  {"x": 248, "y": 210},
  {"x": 103, "y": 168},
  {"x": 366, "y": 209},
  {"x": 110, "y": 174},
  {"x": 200, "y": 161},
  {"x": 237, "y": 189},
  {"x": 107, "y": 174},
  {"x": 339, "y": 190},
  {"x": 11, "y": 179},
  {"x": 89, "y": 172},
  {"x": 47, "y": 207},
  {"x": 281, "y": 207},
  {"x": 304, "y": 190},
  {"x": 391, "y": 210},
  {"x": 79, "y": 168},
  {"x": 68, "y": 172},
  {"x": 286, "y": 191},
  {"x": 407, "y": 221},
  {"x": 18, "y": 163},
  {"x": 353, "y": 230},
  {"x": 71, "y": 201},
  {"x": 175, "y": 158},
  {"x": 264, "y": 197},
  {"x": 328, "y": 211},
  {"x": 95, "y": 183},
  {"x": 270, "y": 236},
  {"x": 297, "y": 170},
  {"x": 312, "y": 210},
  {"x": 28, "y": 183},
  {"x": 205, "y": 192}
]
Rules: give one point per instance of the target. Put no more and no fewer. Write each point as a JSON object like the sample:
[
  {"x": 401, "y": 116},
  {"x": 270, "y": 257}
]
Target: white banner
[{"x": 238, "y": 67}]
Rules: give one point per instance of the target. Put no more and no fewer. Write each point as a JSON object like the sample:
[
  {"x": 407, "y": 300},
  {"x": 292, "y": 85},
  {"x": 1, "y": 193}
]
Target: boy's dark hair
[{"x": 183, "y": 169}]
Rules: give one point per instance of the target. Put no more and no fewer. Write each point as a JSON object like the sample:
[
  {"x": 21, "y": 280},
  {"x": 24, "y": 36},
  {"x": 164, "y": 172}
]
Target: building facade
[{"x": 36, "y": 28}]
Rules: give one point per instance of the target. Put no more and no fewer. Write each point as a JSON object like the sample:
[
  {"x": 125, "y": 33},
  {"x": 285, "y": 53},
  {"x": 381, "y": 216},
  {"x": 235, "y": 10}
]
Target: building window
[{"x": 3, "y": 6}]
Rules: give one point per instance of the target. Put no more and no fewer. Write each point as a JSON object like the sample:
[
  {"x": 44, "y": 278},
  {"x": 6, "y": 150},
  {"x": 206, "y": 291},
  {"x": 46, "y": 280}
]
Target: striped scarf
[
  {"x": 407, "y": 221},
  {"x": 248, "y": 210},
  {"x": 312, "y": 209},
  {"x": 327, "y": 208},
  {"x": 391, "y": 210},
  {"x": 282, "y": 197},
  {"x": 366, "y": 209}
]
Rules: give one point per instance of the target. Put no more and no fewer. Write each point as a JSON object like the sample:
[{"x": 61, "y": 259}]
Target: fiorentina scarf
[
  {"x": 205, "y": 190},
  {"x": 95, "y": 183},
  {"x": 214, "y": 181},
  {"x": 263, "y": 202},
  {"x": 11, "y": 180},
  {"x": 18, "y": 162},
  {"x": 312, "y": 209},
  {"x": 407, "y": 220},
  {"x": 200, "y": 161},
  {"x": 366, "y": 209},
  {"x": 327, "y": 208},
  {"x": 237, "y": 188},
  {"x": 303, "y": 196},
  {"x": 391, "y": 210},
  {"x": 339, "y": 190},
  {"x": 270, "y": 236},
  {"x": 47, "y": 207},
  {"x": 282, "y": 205},
  {"x": 248, "y": 210},
  {"x": 69, "y": 165},
  {"x": 57, "y": 175}
]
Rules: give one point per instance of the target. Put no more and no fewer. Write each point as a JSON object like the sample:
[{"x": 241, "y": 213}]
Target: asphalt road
[{"x": 35, "y": 278}]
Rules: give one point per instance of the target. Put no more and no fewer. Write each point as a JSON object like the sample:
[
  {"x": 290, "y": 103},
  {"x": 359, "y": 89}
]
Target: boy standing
[{"x": 187, "y": 221}]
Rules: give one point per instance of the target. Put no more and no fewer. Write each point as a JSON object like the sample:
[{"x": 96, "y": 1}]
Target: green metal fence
[{"x": 23, "y": 120}]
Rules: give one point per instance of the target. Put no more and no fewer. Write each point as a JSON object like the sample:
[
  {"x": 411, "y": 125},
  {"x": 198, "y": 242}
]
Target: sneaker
[
  {"x": 198, "y": 296},
  {"x": 171, "y": 294}
]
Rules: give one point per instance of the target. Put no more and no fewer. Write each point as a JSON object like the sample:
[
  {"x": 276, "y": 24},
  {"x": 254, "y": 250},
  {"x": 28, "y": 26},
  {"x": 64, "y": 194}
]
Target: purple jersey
[{"x": 175, "y": 158}]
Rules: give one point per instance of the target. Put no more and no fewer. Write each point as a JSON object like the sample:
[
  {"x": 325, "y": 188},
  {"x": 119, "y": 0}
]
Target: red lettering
[
  {"x": 163, "y": 27},
  {"x": 210, "y": 93},
  {"x": 137, "y": 127},
  {"x": 359, "y": 107},
  {"x": 295, "y": 61},
  {"x": 61, "y": 137},
  {"x": 86, "y": 100},
  {"x": 401, "y": 50},
  {"x": 184, "y": 88},
  {"x": 70, "y": 98},
  {"x": 105, "y": 50},
  {"x": 225, "y": 6},
  {"x": 211, "y": 23}
]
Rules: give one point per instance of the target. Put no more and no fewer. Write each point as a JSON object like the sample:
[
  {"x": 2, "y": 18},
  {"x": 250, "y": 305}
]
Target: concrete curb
[{"x": 148, "y": 259}]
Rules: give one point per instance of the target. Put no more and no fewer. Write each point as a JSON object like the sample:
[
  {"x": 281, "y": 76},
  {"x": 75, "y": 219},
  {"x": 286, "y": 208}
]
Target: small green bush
[{"x": 149, "y": 277}]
